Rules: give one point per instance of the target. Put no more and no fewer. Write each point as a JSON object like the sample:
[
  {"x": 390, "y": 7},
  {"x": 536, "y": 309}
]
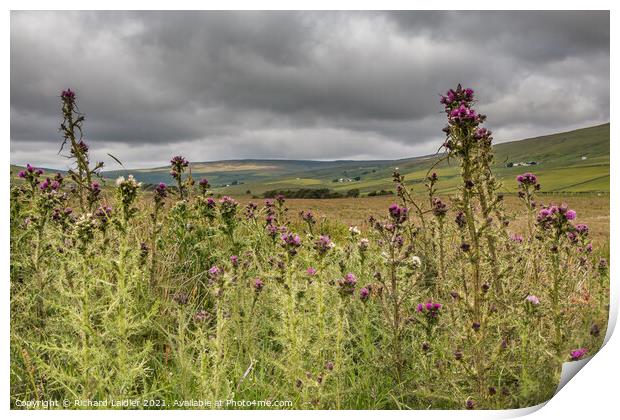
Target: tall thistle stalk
[
  {"x": 391, "y": 234},
  {"x": 470, "y": 143},
  {"x": 528, "y": 184},
  {"x": 71, "y": 128},
  {"x": 179, "y": 165},
  {"x": 556, "y": 220},
  {"x": 160, "y": 193}
]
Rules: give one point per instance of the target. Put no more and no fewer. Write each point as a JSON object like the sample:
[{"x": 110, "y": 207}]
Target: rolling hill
[{"x": 575, "y": 161}]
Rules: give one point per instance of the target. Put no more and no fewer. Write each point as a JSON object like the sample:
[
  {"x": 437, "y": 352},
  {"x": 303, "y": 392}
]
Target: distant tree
[
  {"x": 355, "y": 192},
  {"x": 304, "y": 193}
]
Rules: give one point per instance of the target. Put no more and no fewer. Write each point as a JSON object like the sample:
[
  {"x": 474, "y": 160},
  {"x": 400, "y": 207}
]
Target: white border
[{"x": 594, "y": 391}]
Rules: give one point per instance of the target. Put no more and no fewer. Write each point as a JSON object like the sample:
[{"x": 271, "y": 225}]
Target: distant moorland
[{"x": 575, "y": 161}]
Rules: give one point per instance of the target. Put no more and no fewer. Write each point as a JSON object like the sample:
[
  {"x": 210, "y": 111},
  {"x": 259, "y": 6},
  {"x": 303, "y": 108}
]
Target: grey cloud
[{"x": 315, "y": 85}]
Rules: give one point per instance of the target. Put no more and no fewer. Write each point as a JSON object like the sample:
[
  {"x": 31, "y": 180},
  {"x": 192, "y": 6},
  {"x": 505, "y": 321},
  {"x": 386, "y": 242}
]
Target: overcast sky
[{"x": 297, "y": 85}]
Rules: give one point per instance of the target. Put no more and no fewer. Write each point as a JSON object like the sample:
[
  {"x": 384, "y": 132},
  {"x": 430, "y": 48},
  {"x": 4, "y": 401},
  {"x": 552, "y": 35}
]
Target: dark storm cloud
[{"x": 316, "y": 85}]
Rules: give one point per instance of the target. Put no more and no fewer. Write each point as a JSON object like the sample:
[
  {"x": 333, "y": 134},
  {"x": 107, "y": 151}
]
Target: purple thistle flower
[
  {"x": 364, "y": 293},
  {"x": 228, "y": 201},
  {"x": 398, "y": 214},
  {"x": 272, "y": 231},
  {"x": 161, "y": 191},
  {"x": 582, "y": 229},
  {"x": 532, "y": 299},
  {"x": 460, "y": 219},
  {"x": 203, "y": 184},
  {"x": 571, "y": 214},
  {"x": 179, "y": 161},
  {"x": 180, "y": 298},
  {"x": 258, "y": 285},
  {"x": 527, "y": 179},
  {"x": 578, "y": 354},
  {"x": 201, "y": 316},
  {"x": 307, "y": 217},
  {"x": 346, "y": 285},
  {"x": 82, "y": 147},
  {"x": 439, "y": 207},
  {"x": 311, "y": 271},
  {"x": 234, "y": 260},
  {"x": 214, "y": 272},
  {"x": 67, "y": 95},
  {"x": 482, "y": 133},
  {"x": 250, "y": 208},
  {"x": 323, "y": 244},
  {"x": 515, "y": 237},
  {"x": 290, "y": 242},
  {"x": 430, "y": 310}
]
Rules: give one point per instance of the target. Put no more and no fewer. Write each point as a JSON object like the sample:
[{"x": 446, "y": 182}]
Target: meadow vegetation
[{"x": 466, "y": 300}]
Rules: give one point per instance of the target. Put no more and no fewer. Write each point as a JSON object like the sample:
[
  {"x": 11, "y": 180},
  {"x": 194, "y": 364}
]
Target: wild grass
[{"x": 173, "y": 294}]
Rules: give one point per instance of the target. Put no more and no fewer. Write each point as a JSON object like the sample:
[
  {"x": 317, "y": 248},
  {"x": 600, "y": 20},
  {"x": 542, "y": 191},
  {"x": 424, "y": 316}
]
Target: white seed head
[
  {"x": 417, "y": 262},
  {"x": 354, "y": 230}
]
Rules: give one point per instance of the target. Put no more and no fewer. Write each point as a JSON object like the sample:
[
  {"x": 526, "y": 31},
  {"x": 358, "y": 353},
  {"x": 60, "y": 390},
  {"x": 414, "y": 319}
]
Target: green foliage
[{"x": 173, "y": 295}]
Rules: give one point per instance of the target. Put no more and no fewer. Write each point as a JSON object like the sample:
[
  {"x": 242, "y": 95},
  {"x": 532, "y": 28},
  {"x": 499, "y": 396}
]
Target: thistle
[
  {"x": 127, "y": 191},
  {"x": 178, "y": 166},
  {"x": 82, "y": 174}
]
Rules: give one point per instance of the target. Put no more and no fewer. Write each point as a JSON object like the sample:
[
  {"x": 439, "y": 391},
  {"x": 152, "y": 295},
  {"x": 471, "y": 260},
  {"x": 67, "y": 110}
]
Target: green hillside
[
  {"x": 561, "y": 167},
  {"x": 575, "y": 161}
]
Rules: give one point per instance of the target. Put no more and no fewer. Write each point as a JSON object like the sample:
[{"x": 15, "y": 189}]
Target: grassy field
[
  {"x": 132, "y": 309},
  {"x": 593, "y": 209},
  {"x": 461, "y": 298}
]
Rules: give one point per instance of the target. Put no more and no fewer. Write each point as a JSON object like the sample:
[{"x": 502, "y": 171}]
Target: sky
[{"x": 297, "y": 85}]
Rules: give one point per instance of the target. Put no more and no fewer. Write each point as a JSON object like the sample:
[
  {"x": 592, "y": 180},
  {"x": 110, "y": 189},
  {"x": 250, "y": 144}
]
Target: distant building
[{"x": 513, "y": 164}]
